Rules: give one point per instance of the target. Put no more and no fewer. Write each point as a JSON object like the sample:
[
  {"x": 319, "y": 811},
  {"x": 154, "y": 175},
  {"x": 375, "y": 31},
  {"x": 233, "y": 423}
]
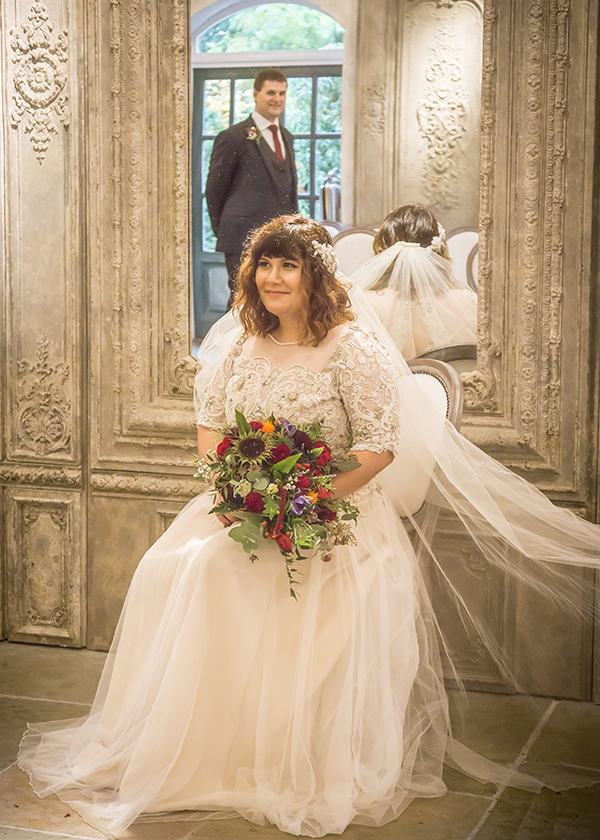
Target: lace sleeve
[
  {"x": 210, "y": 404},
  {"x": 367, "y": 385}
]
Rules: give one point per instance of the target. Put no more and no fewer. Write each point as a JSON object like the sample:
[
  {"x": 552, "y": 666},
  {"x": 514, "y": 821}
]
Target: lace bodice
[{"x": 353, "y": 393}]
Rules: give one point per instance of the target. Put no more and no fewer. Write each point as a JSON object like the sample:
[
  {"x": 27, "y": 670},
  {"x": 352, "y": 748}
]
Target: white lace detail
[{"x": 353, "y": 394}]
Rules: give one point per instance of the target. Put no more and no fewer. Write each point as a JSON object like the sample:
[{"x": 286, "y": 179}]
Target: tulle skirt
[{"x": 223, "y": 694}]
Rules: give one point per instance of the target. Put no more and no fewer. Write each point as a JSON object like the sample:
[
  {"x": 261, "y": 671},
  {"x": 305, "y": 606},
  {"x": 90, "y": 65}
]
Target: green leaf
[
  {"x": 261, "y": 484},
  {"x": 247, "y": 534},
  {"x": 271, "y": 507},
  {"x": 287, "y": 464},
  {"x": 242, "y": 423},
  {"x": 347, "y": 465}
]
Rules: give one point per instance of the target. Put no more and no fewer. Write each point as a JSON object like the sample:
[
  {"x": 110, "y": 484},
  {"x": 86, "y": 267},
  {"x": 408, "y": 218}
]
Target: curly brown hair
[
  {"x": 409, "y": 223},
  {"x": 292, "y": 237}
]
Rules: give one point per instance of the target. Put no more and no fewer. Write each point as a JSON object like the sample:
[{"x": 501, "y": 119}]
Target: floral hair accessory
[
  {"x": 438, "y": 242},
  {"x": 327, "y": 255}
]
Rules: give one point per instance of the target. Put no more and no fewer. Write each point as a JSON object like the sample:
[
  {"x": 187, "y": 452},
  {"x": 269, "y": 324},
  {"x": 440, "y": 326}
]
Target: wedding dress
[{"x": 221, "y": 693}]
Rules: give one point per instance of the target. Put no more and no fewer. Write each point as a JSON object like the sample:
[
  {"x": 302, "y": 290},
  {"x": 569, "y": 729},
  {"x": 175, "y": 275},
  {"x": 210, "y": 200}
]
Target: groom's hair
[
  {"x": 269, "y": 74},
  {"x": 292, "y": 238}
]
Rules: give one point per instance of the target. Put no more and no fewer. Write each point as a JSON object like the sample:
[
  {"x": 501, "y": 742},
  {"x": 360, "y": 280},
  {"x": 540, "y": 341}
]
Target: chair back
[
  {"x": 443, "y": 388},
  {"x": 463, "y": 247},
  {"x": 353, "y": 247},
  {"x": 462, "y": 357}
]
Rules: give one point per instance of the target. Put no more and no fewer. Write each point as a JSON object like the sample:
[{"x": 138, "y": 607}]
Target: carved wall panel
[
  {"x": 529, "y": 396},
  {"x": 143, "y": 373},
  {"x": 42, "y": 99},
  {"x": 45, "y": 567},
  {"x": 438, "y": 110}
]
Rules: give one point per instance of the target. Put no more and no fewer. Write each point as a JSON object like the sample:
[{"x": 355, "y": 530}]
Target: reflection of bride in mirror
[{"x": 410, "y": 284}]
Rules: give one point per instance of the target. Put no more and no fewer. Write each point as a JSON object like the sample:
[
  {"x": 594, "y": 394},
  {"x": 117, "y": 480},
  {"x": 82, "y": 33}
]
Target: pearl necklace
[{"x": 283, "y": 343}]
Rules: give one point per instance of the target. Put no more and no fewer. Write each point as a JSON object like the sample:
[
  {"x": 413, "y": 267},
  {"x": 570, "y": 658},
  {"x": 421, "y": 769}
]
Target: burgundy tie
[{"x": 278, "y": 149}]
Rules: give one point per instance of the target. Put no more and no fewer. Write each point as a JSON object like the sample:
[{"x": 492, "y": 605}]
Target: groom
[{"x": 252, "y": 173}]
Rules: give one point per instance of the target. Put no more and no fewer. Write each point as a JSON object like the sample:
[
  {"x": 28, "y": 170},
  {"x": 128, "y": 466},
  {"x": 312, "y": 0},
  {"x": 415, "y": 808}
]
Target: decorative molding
[
  {"x": 145, "y": 485},
  {"x": 480, "y": 385},
  {"x": 373, "y": 109},
  {"x": 45, "y": 476},
  {"x": 481, "y": 388},
  {"x": 442, "y": 119},
  {"x": 43, "y": 416},
  {"x": 154, "y": 371},
  {"x": 39, "y": 79},
  {"x": 44, "y": 566}
]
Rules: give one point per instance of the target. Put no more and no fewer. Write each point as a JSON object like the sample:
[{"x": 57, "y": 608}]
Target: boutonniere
[{"x": 253, "y": 133}]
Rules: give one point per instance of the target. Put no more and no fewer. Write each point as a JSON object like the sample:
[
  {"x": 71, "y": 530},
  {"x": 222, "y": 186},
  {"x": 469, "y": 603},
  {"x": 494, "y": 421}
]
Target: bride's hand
[{"x": 227, "y": 519}]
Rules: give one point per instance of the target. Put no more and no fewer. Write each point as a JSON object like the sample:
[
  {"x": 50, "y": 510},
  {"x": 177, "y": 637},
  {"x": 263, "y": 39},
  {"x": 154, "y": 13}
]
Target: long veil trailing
[{"x": 514, "y": 526}]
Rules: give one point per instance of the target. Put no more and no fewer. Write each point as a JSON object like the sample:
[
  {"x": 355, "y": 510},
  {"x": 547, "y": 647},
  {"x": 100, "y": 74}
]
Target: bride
[
  {"x": 222, "y": 695},
  {"x": 410, "y": 285}
]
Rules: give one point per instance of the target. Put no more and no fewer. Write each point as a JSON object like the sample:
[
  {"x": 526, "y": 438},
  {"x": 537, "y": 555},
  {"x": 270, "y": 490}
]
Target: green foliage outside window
[{"x": 276, "y": 26}]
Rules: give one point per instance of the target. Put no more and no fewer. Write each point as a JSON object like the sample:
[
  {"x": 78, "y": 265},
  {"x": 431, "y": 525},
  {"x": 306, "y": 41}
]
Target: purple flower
[
  {"x": 299, "y": 503},
  {"x": 289, "y": 428}
]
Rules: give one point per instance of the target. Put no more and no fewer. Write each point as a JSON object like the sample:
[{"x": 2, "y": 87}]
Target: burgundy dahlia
[
  {"x": 254, "y": 502},
  {"x": 280, "y": 452}
]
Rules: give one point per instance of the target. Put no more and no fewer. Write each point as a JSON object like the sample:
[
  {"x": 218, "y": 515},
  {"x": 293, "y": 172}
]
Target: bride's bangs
[{"x": 279, "y": 245}]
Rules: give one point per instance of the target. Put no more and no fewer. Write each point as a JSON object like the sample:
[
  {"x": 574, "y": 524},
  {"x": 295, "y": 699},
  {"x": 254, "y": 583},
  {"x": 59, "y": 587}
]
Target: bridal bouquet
[{"x": 278, "y": 479}]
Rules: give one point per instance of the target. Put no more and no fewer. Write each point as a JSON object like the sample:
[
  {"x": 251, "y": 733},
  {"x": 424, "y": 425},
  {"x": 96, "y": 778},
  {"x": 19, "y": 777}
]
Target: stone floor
[{"x": 42, "y": 683}]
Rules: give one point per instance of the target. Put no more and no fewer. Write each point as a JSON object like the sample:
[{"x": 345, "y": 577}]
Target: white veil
[{"x": 418, "y": 298}]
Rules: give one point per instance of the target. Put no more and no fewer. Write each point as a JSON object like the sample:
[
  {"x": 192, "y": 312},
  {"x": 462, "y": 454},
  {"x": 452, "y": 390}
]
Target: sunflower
[{"x": 251, "y": 448}]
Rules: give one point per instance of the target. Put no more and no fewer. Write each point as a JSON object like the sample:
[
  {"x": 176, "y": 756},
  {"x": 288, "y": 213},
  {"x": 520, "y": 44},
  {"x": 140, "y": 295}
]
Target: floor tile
[
  {"x": 495, "y": 725},
  {"x": 571, "y": 735},
  {"x": 519, "y": 815},
  {"x": 49, "y": 672},
  {"x": 451, "y": 817},
  {"x": 16, "y": 714},
  {"x": 21, "y": 808},
  {"x": 27, "y": 834}
]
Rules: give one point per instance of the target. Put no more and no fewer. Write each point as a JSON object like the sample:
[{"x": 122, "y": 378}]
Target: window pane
[
  {"x": 298, "y": 105},
  {"x": 302, "y": 154},
  {"x": 243, "y": 99},
  {"x": 329, "y": 104},
  {"x": 216, "y": 106},
  {"x": 209, "y": 240},
  {"x": 328, "y": 158},
  {"x": 206, "y": 153},
  {"x": 304, "y": 207}
]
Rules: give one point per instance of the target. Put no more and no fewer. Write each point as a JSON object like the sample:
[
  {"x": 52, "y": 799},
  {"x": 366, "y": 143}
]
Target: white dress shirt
[{"x": 263, "y": 126}]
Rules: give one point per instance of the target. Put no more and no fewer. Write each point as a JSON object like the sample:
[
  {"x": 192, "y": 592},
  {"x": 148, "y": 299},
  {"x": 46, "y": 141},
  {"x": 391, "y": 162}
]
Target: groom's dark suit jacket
[{"x": 247, "y": 185}]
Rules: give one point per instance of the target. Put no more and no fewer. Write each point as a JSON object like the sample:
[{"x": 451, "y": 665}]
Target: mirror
[{"x": 433, "y": 102}]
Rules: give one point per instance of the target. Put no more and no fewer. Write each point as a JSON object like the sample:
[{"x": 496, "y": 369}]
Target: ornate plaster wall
[{"x": 95, "y": 385}]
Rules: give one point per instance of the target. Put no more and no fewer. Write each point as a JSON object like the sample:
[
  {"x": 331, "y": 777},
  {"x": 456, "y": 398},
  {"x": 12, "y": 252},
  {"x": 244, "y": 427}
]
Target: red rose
[
  {"x": 256, "y": 425},
  {"x": 323, "y": 493},
  {"x": 280, "y": 452},
  {"x": 326, "y": 515},
  {"x": 223, "y": 447},
  {"x": 317, "y": 471},
  {"x": 254, "y": 502},
  {"x": 303, "y": 482},
  {"x": 325, "y": 457},
  {"x": 284, "y": 543}
]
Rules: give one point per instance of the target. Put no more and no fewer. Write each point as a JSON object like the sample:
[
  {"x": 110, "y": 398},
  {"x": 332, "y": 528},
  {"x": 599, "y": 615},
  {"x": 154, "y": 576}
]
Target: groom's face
[{"x": 270, "y": 99}]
